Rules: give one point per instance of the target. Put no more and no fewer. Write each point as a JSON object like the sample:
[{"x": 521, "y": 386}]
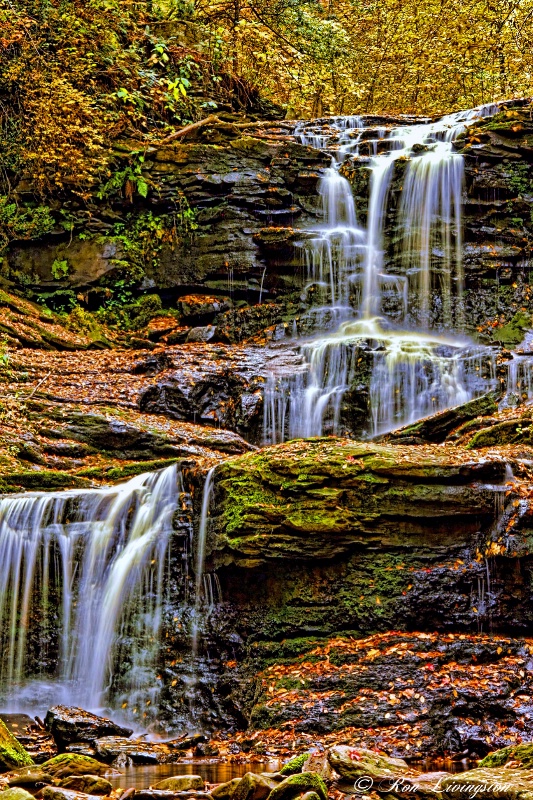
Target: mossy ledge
[{"x": 320, "y": 497}]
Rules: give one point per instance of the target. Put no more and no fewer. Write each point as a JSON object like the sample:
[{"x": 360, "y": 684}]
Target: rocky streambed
[{"x": 327, "y": 770}]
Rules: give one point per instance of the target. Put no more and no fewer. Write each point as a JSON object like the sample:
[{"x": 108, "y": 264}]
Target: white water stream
[
  {"x": 420, "y": 362},
  {"x": 82, "y": 578}
]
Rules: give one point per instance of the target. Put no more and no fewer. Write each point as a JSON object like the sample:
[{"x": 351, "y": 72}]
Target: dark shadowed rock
[{"x": 72, "y": 724}]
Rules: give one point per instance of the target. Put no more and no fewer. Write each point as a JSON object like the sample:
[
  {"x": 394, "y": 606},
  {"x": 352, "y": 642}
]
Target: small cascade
[
  {"x": 82, "y": 582},
  {"x": 199, "y": 594},
  {"x": 414, "y": 370}
]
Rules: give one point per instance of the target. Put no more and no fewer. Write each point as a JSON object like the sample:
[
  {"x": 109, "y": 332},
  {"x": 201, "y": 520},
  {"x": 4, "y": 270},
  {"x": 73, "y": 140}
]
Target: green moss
[
  {"x": 12, "y": 753},
  {"x": 44, "y": 479},
  {"x": 507, "y": 432},
  {"x": 295, "y": 765},
  {"x": 297, "y": 784},
  {"x": 73, "y": 764},
  {"x": 115, "y": 473},
  {"x": 522, "y": 753}
]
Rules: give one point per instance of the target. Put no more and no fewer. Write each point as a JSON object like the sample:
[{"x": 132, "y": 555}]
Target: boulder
[
  {"x": 110, "y": 748},
  {"x": 73, "y": 764},
  {"x": 521, "y": 755},
  {"x": 253, "y": 787},
  {"x": 225, "y": 791},
  {"x": 72, "y": 724},
  {"x": 90, "y": 784},
  {"x": 352, "y": 763},
  {"x": 299, "y": 784},
  {"x": 318, "y": 762},
  {"x": 16, "y": 794},
  {"x": 12, "y": 753},
  {"x": 27, "y": 776},
  {"x": 201, "y": 334},
  {"x": 181, "y": 783},
  {"x": 57, "y": 793},
  {"x": 488, "y": 783},
  {"x": 36, "y": 740}
]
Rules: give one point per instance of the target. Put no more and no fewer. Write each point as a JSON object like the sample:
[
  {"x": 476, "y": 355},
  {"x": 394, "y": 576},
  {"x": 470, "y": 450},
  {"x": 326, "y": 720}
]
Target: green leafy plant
[
  {"x": 126, "y": 182},
  {"x": 60, "y": 269}
]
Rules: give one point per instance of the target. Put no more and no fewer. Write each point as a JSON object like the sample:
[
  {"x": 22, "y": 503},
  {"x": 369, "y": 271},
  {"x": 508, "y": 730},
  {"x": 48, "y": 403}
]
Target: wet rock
[
  {"x": 298, "y": 784},
  {"x": 90, "y": 784},
  {"x": 253, "y": 787},
  {"x": 32, "y": 735},
  {"x": 110, "y": 748},
  {"x": 187, "y": 742},
  {"x": 181, "y": 783},
  {"x": 438, "y": 427},
  {"x": 12, "y": 753},
  {"x": 57, "y": 793},
  {"x": 225, "y": 791},
  {"x": 16, "y": 794},
  {"x": 73, "y": 764},
  {"x": 352, "y": 763},
  {"x": 319, "y": 763},
  {"x": 195, "y": 308},
  {"x": 27, "y": 776},
  {"x": 122, "y": 761},
  {"x": 71, "y": 724},
  {"x": 152, "y": 364},
  {"x": 202, "y": 334},
  {"x": 82, "y": 748}
]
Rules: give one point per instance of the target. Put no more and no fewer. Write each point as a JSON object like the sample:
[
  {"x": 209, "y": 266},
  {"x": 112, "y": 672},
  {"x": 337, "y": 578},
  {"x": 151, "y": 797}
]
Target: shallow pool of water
[{"x": 141, "y": 777}]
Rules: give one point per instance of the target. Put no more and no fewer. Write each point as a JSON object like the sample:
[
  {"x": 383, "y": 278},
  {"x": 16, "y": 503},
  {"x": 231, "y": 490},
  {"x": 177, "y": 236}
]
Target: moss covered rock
[
  {"x": 89, "y": 784},
  {"x": 16, "y": 793},
  {"x": 225, "y": 791},
  {"x": 73, "y": 764},
  {"x": 321, "y": 497},
  {"x": 521, "y": 755},
  {"x": 253, "y": 787},
  {"x": 352, "y": 763},
  {"x": 295, "y": 765},
  {"x": 299, "y": 784},
  {"x": 12, "y": 753},
  {"x": 182, "y": 783}
]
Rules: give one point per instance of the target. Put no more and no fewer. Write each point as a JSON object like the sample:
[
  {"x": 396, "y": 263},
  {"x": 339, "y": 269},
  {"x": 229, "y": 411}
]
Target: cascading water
[
  {"x": 82, "y": 580},
  {"x": 199, "y": 593},
  {"x": 413, "y": 373}
]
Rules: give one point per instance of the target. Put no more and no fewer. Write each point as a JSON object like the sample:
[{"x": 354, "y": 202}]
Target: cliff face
[
  {"x": 354, "y": 574},
  {"x": 253, "y": 193}
]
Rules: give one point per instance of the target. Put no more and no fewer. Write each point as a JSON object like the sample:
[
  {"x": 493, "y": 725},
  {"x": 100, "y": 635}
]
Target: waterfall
[
  {"x": 414, "y": 372},
  {"x": 82, "y": 577}
]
